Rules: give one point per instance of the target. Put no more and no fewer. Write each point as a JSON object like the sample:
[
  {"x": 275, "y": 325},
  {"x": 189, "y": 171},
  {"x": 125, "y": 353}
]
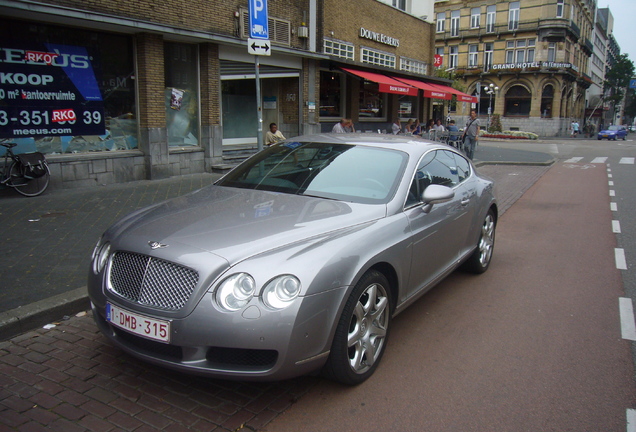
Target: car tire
[
  {"x": 599, "y": 138},
  {"x": 362, "y": 332},
  {"x": 480, "y": 259}
]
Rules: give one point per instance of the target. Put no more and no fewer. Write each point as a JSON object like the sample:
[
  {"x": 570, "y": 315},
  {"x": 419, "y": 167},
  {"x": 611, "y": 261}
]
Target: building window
[
  {"x": 513, "y": 16},
  {"x": 454, "y": 31},
  {"x": 518, "y": 101},
  {"x": 182, "y": 93},
  {"x": 546, "y": 101},
  {"x": 372, "y": 102},
  {"x": 560, "y": 7},
  {"x": 475, "y": 15},
  {"x": 415, "y": 66},
  {"x": 488, "y": 55},
  {"x": 520, "y": 51},
  {"x": 400, "y": 4},
  {"x": 380, "y": 58},
  {"x": 552, "y": 51},
  {"x": 453, "y": 51},
  {"x": 491, "y": 15},
  {"x": 105, "y": 106},
  {"x": 441, "y": 22},
  {"x": 473, "y": 56},
  {"x": 331, "y": 91},
  {"x": 339, "y": 49}
]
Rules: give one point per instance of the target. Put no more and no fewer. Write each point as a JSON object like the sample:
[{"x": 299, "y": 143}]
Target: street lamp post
[{"x": 490, "y": 90}]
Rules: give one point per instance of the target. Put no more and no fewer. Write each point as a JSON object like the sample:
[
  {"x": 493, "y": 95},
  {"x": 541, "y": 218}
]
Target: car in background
[
  {"x": 613, "y": 132},
  {"x": 295, "y": 261}
]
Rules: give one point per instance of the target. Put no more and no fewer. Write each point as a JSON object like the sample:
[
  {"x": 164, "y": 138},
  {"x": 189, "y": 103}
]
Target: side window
[
  {"x": 463, "y": 167},
  {"x": 436, "y": 167},
  {"x": 443, "y": 169}
]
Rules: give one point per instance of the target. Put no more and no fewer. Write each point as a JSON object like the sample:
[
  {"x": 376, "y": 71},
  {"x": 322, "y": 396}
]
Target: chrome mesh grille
[{"x": 151, "y": 281}]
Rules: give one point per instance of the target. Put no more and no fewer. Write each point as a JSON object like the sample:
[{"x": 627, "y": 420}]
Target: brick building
[
  {"x": 534, "y": 53},
  {"x": 116, "y": 91},
  {"x": 158, "y": 88}
]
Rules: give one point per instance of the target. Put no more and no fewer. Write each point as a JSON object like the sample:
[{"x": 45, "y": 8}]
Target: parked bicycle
[{"x": 27, "y": 173}]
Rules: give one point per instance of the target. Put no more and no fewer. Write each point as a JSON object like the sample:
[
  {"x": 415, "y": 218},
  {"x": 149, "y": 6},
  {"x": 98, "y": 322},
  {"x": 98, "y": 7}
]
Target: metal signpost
[{"x": 258, "y": 44}]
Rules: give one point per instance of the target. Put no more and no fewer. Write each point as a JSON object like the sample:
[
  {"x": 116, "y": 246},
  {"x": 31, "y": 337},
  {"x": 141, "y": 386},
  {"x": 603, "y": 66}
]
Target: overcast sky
[{"x": 624, "y": 13}]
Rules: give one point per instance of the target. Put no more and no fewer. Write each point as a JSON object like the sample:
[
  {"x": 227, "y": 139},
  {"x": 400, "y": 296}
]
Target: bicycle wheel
[{"x": 25, "y": 186}]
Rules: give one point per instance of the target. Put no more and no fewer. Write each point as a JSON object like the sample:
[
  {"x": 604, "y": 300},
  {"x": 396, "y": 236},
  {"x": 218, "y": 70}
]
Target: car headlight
[
  {"x": 281, "y": 291},
  {"x": 100, "y": 257},
  {"x": 235, "y": 292}
]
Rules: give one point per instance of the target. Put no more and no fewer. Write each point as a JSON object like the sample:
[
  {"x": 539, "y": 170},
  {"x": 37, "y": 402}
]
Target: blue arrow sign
[
  {"x": 632, "y": 83},
  {"x": 259, "y": 28}
]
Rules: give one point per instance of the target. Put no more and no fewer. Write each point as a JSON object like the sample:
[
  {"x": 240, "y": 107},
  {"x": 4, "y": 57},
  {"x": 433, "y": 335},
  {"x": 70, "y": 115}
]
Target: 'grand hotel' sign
[{"x": 534, "y": 65}]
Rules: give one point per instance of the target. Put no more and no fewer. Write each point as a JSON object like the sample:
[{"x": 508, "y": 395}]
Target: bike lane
[{"x": 534, "y": 344}]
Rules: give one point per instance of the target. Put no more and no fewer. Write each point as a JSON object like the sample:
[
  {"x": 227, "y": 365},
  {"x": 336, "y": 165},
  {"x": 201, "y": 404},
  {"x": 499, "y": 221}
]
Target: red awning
[
  {"x": 430, "y": 90},
  {"x": 461, "y": 96},
  {"x": 387, "y": 84}
]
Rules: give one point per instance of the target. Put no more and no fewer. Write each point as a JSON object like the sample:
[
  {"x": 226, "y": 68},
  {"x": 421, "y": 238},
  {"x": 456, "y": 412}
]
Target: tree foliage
[{"x": 617, "y": 79}]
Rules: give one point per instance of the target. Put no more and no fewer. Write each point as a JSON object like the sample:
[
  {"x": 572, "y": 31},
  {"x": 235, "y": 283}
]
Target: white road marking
[
  {"x": 616, "y": 226},
  {"x": 610, "y": 176},
  {"x": 554, "y": 148},
  {"x": 574, "y": 160},
  {"x": 627, "y": 160},
  {"x": 613, "y": 206},
  {"x": 610, "y": 183},
  {"x": 628, "y": 326},
  {"x": 612, "y": 193},
  {"x": 619, "y": 255},
  {"x": 599, "y": 160}
]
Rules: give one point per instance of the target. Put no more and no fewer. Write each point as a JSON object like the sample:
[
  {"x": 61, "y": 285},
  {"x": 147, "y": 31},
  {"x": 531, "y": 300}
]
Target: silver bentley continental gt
[{"x": 295, "y": 261}]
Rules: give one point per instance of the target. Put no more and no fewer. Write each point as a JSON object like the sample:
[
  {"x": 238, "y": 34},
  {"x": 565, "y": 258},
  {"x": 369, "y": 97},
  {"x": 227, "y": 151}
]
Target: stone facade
[{"x": 538, "y": 59}]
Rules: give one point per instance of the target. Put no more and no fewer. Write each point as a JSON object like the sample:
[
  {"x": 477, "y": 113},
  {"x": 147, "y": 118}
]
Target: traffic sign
[
  {"x": 259, "y": 47},
  {"x": 632, "y": 83},
  {"x": 259, "y": 27}
]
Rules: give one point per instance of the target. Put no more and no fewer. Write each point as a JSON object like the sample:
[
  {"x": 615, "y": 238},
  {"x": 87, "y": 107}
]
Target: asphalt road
[{"x": 532, "y": 345}]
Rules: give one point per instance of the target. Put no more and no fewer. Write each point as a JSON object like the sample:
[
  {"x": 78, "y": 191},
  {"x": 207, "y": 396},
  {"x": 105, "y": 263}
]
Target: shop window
[
  {"x": 407, "y": 107},
  {"x": 98, "y": 98},
  {"x": 181, "y": 94},
  {"x": 372, "y": 102},
  {"x": 240, "y": 118},
  {"x": 331, "y": 90},
  {"x": 547, "y": 97},
  {"x": 518, "y": 101}
]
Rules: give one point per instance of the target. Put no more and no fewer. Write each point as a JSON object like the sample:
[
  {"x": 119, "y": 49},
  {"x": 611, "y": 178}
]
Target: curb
[{"x": 31, "y": 316}]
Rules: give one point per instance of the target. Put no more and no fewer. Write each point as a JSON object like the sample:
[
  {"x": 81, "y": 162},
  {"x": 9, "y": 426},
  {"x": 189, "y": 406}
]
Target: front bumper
[{"x": 255, "y": 344}]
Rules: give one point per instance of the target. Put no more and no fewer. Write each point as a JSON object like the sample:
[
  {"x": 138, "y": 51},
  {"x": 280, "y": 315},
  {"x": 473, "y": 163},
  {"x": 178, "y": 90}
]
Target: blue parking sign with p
[{"x": 259, "y": 28}]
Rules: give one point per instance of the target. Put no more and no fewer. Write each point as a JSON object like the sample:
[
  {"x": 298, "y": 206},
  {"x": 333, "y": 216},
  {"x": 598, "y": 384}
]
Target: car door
[{"x": 437, "y": 235}]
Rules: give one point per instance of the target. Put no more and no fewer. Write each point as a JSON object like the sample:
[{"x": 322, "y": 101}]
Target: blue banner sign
[
  {"x": 48, "y": 90},
  {"x": 259, "y": 27}
]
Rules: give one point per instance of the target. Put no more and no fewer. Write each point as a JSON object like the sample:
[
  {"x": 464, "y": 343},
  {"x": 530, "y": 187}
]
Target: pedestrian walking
[{"x": 471, "y": 134}]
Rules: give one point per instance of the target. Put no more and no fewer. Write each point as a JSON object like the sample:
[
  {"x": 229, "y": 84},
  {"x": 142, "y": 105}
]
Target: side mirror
[{"x": 436, "y": 194}]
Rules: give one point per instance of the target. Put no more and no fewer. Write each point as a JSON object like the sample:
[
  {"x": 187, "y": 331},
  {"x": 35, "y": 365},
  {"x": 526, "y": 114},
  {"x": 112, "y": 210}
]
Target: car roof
[{"x": 406, "y": 143}]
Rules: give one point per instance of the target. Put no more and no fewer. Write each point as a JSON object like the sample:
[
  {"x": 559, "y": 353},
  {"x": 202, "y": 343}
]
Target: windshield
[
  {"x": 614, "y": 128},
  {"x": 352, "y": 173}
]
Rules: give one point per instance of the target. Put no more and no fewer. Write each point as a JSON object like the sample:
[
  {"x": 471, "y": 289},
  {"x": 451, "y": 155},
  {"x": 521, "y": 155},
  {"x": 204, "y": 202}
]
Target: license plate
[
  {"x": 138, "y": 324},
  {"x": 604, "y": 136}
]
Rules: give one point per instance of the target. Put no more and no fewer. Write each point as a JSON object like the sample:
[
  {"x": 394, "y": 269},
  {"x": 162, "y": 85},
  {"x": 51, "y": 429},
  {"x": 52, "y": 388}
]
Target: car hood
[
  {"x": 607, "y": 131},
  {"x": 235, "y": 224}
]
